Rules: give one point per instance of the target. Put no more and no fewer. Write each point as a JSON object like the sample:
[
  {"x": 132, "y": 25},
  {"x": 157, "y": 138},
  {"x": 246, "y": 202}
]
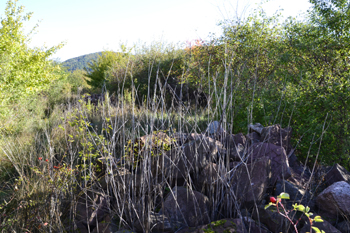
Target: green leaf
[
  {"x": 284, "y": 196},
  {"x": 316, "y": 229},
  {"x": 318, "y": 219},
  {"x": 301, "y": 208},
  {"x": 268, "y": 205},
  {"x": 307, "y": 209}
]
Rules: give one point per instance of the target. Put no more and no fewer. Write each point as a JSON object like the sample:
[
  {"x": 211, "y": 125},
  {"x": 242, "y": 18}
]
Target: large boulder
[
  {"x": 253, "y": 138},
  {"x": 334, "y": 201},
  {"x": 336, "y": 174},
  {"x": 279, "y": 162},
  {"x": 343, "y": 227},
  {"x": 182, "y": 138},
  {"x": 278, "y": 136},
  {"x": 297, "y": 194},
  {"x": 155, "y": 221},
  {"x": 191, "y": 157},
  {"x": 251, "y": 181},
  {"x": 325, "y": 226},
  {"x": 233, "y": 140},
  {"x": 151, "y": 145},
  {"x": 256, "y": 128},
  {"x": 275, "y": 222},
  {"x": 235, "y": 146},
  {"x": 216, "y": 131},
  {"x": 184, "y": 207},
  {"x": 255, "y": 226},
  {"x": 209, "y": 178}
]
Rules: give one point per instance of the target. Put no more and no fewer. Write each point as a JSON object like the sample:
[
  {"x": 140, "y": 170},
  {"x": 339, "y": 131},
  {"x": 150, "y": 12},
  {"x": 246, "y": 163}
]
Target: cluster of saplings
[{"x": 261, "y": 69}]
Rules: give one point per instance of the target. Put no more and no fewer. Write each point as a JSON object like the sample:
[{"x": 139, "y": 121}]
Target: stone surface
[
  {"x": 234, "y": 139},
  {"x": 209, "y": 178},
  {"x": 296, "y": 194},
  {"x": 254, "y": 226},
  {"x": 184, "y": 207},
  {"x": 251, "y": 182},
  {"x": 335, "y": 200},
  {"x": 278, "y": 136},
  {"x": 256, "y": 128},
  {"x": 191, "y": 157},
  {"x": 325, "y": 226},
  {"x": 343, "y": 227},
  {"x": 146, "y": 146},
  {"x": 336, "y": 174},
  {"x": 219, "y": 226},
  {"x": 156, "y": 221},
  {"x": 215, "y": 131},
  {"x": 279, "y": 162},
  {"x": 271, "y": 219},
  {"x": 236, "y": 152},
  {"x": 253, "y": 138}
]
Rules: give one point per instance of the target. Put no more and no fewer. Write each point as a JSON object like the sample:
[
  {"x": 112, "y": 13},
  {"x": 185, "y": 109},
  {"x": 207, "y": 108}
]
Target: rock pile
[{"x": 210, "y": 182}]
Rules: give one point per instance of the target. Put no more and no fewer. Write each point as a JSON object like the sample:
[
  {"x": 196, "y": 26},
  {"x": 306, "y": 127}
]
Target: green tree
[
  {"x": 99, "y": 71},
  {"x": 23, "y": 71}
]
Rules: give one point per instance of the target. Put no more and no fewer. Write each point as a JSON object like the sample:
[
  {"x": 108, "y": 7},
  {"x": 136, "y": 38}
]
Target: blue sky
[{"x": 88, "y": 26}]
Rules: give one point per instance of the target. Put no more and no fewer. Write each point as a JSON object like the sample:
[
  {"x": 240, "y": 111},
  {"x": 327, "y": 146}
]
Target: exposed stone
[
  {"x": 185, "y": 207},
  {"x": 156, "y": 221},
  {"x": 253, "y": 138},
  {"x": 325, "y": 226},
  {"x": 335, "y": 200},
  {"x": 271, "y": 219},
  {"x": 256, "y": 128},
  {"x": 279, "y": 162},
  {"x": 234, "y": 139},
  {"x": 236, "y": 152},
  {"x": 220, "y": 226},
  {"x": 191, "y": 157},
  {"x": 209, "y": 177},
  {"x": 254, "y": 226},
  {"x": 296, "y": 194},
  {"x": 343, "y": 227},
  {"x": 215, "y": 131},
  {"x": 251, "y": 182},
  {"x": 336, "y": 174},
  {"x": 278, "y": 136},
  {"x": 141, "y": 148}
]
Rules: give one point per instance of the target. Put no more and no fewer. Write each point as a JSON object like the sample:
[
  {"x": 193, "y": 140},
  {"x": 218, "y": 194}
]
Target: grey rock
[
  {"x": 256, "y": 128},
  {"x": 251, "y": 182},
  {"x": 343, "y": 227},
  {"x": 184, "y": 207},
  {"x": 336, "y": 174},
  {"x": 279, "y": 162},
  {"x": 278, "y": 136},
  {"x": 296, "y": 194},
  {"x": 325, "y": 226},
  {"x": 271, "y": 219},
  {"x": 335, "y": 200}
]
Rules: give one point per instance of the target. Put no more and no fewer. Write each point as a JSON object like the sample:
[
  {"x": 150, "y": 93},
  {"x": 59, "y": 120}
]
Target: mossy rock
[
  {"x": 219, "y": 226},
  {"x": 154, "y": 144}
]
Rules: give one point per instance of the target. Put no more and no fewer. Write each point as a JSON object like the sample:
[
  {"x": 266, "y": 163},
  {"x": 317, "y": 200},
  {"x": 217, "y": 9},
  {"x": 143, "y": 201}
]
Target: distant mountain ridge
[{"x": 79, "y": 63}]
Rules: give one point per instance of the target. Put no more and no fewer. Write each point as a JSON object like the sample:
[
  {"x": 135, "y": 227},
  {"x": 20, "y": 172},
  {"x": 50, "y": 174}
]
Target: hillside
[{"x": 80, "y": 62}]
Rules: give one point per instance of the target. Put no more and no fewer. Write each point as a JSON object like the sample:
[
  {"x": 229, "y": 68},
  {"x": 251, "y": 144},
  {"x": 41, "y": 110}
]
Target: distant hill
[{"x": 80, "y": 62}]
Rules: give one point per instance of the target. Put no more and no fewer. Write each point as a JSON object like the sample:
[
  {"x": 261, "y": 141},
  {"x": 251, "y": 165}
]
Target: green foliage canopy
[
  {"x": 98, "y": 71},
  {"x": 23, "y": 71}
]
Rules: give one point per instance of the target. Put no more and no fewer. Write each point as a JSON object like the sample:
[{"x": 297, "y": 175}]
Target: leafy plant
[{"x": 297, "y": 207}]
